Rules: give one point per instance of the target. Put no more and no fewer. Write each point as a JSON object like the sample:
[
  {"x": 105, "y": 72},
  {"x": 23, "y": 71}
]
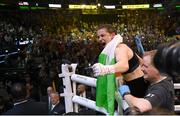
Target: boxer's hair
[{"x": 109, "y": 28}]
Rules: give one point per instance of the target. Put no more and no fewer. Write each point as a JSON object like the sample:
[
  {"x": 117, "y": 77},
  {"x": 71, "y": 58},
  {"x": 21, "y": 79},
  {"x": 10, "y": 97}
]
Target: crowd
[{"x": 68, "y": 38}]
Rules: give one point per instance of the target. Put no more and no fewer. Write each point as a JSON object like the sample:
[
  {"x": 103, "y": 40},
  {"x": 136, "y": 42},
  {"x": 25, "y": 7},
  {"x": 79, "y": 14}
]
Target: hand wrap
[{"x": 100, "y": 69}]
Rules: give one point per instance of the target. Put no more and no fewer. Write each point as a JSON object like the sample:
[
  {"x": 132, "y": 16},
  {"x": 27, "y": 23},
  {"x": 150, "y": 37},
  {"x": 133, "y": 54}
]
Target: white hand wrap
[{"x": 100, "y": 69}]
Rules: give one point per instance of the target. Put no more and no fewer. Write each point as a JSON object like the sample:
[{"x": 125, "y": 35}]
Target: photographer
[{"x": 160, "y": 93}]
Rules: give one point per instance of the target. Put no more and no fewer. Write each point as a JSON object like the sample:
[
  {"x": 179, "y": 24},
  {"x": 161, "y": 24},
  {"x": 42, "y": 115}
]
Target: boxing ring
[{"x": 72, "y": 101}]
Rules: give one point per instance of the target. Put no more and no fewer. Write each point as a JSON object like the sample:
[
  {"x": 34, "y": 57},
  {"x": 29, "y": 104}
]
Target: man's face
[
  {"x": 81, "y": 88},
  {"x": 49, "y": 90},
  {"x": 103, "y": 36},
  {"x": 149, "y": 70},
  {"x": 54, "y": 98}
]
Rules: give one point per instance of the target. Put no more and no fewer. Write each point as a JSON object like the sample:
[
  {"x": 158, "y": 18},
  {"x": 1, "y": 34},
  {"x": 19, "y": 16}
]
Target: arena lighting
[
  {"x": 24, "y": 7},
  {"x": 2, "y": 62},
  {"x": 2, "y": 4},
  {"x": 36, "y": 8},
  {"x": 98, "y": 4},
  {"x": 25, "y": 42},
  {"x": 89, "y": 11},
  {"x": 82, "y": 7},
  {"x": 157, "y": 5},
  {"x": 161, "y": 8},
  {"x": 12, "y": 53},
  {"x": 109, "y": 6},
  {"x": 55, "y": 5},
  {"x": 138, "y": 6},
  {"x": 23, "y": 3},
  {"x": 178, "y": 6}
]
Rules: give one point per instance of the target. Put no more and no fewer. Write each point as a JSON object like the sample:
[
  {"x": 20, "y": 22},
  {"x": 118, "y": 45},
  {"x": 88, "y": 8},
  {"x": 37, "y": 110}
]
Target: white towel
[{"x": 109, "y": 49}]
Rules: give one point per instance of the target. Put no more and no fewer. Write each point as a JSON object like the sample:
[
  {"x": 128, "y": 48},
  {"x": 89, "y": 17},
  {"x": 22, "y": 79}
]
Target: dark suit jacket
[
  {"x": 28, "y": 108},
  {"x": 46, "y": 100},
  {"x": 58, "y": 109}
]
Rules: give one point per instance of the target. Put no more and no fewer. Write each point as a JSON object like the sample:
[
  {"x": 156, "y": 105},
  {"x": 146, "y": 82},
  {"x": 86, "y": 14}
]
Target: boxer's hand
[
  {"x": 100, "y": 69},
  {"x": 123, "y": 90}
]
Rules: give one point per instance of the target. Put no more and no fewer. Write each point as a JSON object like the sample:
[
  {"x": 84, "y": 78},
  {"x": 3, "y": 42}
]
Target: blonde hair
[{"x": 151, "y": 54}]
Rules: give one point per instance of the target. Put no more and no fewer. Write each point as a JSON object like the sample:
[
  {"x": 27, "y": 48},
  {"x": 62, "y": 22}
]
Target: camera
[{"x": 167, "y": 59}]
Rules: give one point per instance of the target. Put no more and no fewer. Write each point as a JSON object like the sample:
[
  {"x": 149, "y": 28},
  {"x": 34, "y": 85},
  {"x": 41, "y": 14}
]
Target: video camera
[{"x": 167, "y": 59}]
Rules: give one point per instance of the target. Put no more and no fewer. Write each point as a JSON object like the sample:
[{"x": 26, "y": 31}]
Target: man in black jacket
[
  {"x": 159, "y": 98},
  {"x": 24, "y": 106},
  {"x": 46, "y": 98},
  {"x": 57, "y": 106}
]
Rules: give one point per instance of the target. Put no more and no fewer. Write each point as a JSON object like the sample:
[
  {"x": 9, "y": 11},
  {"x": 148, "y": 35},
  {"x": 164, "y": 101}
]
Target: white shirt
[{"x": 52, "y": 106}]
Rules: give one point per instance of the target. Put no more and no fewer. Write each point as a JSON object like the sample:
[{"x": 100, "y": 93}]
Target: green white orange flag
[{"x": 106, "y": 84}]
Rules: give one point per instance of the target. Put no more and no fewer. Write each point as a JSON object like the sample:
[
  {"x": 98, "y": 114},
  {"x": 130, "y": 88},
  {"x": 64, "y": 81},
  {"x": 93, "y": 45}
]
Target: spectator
[
  {"x": 47, "y": 98},
  {"x": 22, "y": 105},
  {"x": 57, "y": 107},
  {"x": 83, "y": 91},
  {"x": 2, "y": 105}
]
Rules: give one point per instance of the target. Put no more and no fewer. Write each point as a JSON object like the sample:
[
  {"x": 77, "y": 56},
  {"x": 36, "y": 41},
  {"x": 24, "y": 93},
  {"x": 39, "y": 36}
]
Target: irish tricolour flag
[{"x": 105, "y": 91}]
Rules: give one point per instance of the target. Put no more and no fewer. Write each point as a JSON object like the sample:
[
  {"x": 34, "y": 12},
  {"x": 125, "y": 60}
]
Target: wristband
[
  {"x": 124, "y": 90},
  {"x": 126, "y": 93}
]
